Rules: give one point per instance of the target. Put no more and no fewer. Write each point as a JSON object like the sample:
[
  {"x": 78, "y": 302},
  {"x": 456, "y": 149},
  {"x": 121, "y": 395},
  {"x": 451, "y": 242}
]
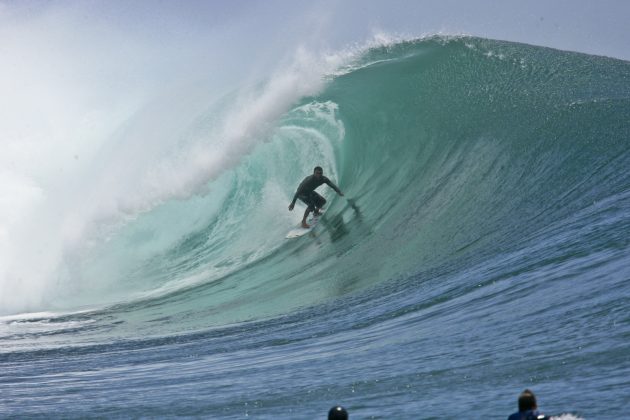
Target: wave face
[{"x": 482, "y": 243}]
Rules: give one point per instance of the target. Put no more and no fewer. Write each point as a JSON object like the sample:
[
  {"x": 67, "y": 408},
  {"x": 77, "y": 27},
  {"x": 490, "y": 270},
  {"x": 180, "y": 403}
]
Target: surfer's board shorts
[{"x": 312, "y": 200}]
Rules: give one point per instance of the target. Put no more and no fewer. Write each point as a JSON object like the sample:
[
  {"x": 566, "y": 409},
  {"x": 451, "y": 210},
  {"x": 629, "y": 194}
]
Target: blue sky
[{"x": 599, "y": 27}]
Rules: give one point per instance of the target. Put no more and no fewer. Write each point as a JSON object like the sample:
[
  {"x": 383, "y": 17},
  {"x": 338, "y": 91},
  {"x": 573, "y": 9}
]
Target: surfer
[
  {"x": 338, "y": 413},
  {"x": 527, "y": 408},
  {"x": 306, "y": 193}
]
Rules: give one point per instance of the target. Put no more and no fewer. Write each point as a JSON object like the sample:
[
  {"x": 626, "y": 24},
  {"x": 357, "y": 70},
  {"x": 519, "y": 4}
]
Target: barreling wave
[{"x": 450, "y": 151}]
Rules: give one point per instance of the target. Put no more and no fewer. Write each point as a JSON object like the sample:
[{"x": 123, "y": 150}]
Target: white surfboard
[{"x": 299, "y": 231}]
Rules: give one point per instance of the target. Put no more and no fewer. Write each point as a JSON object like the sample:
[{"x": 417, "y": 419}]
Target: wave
[{"x": 452, "y": 152}]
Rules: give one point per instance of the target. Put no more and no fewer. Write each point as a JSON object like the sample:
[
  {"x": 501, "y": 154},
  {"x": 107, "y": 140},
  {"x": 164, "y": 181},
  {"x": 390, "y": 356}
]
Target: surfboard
[{"x": 300, "y": 231}]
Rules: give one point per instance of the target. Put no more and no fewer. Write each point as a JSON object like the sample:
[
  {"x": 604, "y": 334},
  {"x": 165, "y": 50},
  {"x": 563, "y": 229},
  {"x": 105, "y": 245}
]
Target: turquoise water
[{"x": 481, "y": 248}]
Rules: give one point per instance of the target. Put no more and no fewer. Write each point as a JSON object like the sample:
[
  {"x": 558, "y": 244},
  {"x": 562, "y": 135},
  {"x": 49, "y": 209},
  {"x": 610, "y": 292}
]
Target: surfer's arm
[
  {"x": 295, "y": 197},
  {"x": 333, "y": 186},
  {"x": 300, "y": 190}
]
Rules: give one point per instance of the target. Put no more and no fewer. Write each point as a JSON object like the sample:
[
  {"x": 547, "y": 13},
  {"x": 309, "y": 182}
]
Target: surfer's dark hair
[
  {"x": 318, "y": 168},
  {"x": 338, "y": 413},
  {"x": 526, "y": 401}
]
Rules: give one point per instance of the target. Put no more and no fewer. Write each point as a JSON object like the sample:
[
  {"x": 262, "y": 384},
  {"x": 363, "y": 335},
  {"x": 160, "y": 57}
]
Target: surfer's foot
[{"x": 305, "y": 225}]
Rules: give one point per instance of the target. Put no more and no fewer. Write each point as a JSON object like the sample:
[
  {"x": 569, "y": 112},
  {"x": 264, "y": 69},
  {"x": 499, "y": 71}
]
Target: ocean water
[{"x": 482, "y": 247}]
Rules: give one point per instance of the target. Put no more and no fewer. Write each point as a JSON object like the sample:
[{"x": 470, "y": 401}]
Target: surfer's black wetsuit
[
  {"x": 528, "y": 415},
  {"x": 306, "y": 191}
]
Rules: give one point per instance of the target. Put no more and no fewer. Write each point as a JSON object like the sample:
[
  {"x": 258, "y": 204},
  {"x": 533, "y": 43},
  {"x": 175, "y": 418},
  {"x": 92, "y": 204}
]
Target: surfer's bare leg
[
  {"x": 319, "y": 203},
  {"x": 306, "y": 213}
]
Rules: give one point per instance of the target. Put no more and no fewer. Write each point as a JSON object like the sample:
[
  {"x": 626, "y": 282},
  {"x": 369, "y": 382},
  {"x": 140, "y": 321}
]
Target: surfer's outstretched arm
[{"x": 333, "y": 186}]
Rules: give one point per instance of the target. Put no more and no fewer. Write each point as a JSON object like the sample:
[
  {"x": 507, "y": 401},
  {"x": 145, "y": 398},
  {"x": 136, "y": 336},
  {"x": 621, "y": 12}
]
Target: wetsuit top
[
  {"x": 310, "y": 183},
  {"x": 528, "y": 415}
]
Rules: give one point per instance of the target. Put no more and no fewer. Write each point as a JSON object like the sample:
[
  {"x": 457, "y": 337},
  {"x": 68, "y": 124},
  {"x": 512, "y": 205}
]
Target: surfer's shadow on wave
[{"x": 335, "y": 225}]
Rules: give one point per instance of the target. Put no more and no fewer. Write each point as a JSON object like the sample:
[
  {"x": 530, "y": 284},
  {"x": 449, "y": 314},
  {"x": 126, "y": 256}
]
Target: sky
[{"x": 599, "y": 27}]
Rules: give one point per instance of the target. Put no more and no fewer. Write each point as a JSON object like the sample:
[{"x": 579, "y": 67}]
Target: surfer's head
[
  {"x": 318, "y": 171},
  {"x": 338, "y": 413},
  {"x": 527, "y": 401}
]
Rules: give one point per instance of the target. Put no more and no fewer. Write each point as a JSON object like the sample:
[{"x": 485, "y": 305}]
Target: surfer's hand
[
  {"x": 340, "y": 193},
  {"x": 291, "y": 207}
]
